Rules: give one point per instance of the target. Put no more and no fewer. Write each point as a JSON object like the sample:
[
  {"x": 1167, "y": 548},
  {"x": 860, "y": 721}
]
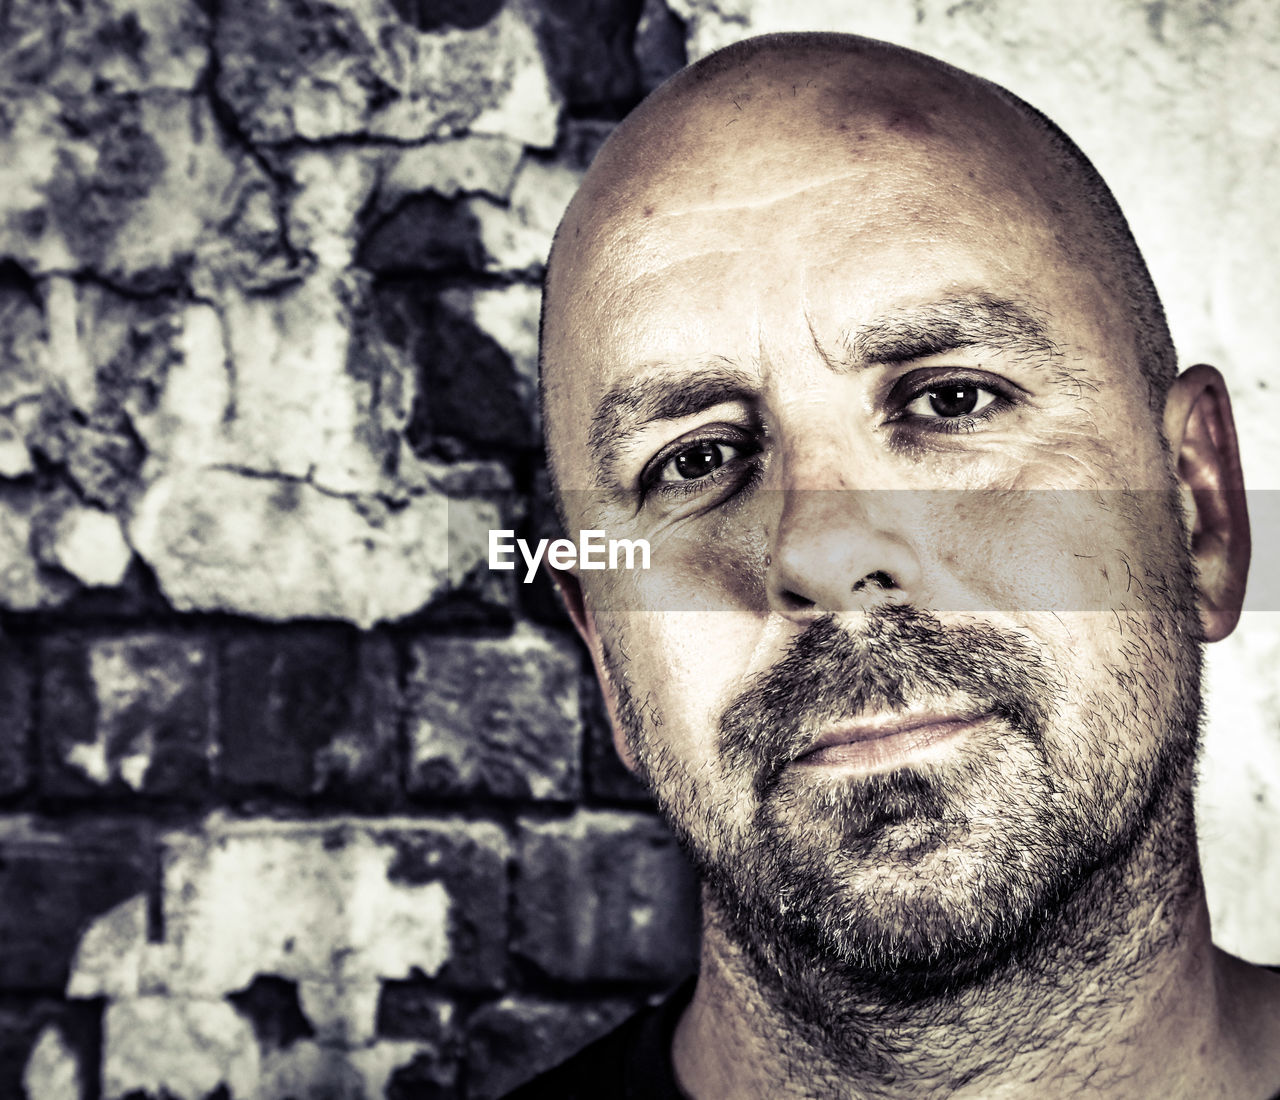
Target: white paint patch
[
  {"x": 52, "y": 1071},
  {"x": 108, "y": 958}
]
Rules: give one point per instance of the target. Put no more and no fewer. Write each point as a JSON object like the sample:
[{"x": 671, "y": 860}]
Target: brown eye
[
  {"x": 951, "y": 400},
  {"x": 697, "y": 461}
]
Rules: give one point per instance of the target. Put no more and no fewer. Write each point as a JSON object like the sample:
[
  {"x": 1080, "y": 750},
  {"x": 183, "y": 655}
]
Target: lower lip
[{"x": 891, "y": 749}]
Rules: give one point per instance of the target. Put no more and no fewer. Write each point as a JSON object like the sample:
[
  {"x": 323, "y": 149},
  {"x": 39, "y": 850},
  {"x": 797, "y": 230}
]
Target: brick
[
  {"x": 342, "y": 1014},
  {"x": 336, "y": 903},
  {"x": 139, "y": 189},
  {"x": 46, "y": 1046},
  {"x": 271, "y": 1005},
  {"x": 605, "y": 897},
  {"x": 130, "y": 712},
  {"x": 474, "y": 165},
  {"x": 472, "y": 386},
  {"x": 53, "y": 1069},
  {"x": 427, "y": 1076},
  {"x": 177, "y": 1046},
  {"x": 27, "y": 584},
  {"x": 23, "y": 350},
  {"x": 588, "y": 45},
  {"x": 55, "y": 880},
  {"x": 517, "y": 235},
  {"x": 516, "y": 1038},
  {"x": 660, "y": 48},
  {"x": 89, "y": 544},
  {"x": 108, "y": 44},
  {"x": 425, "y": 233},
  {"x": 109, "y": 957},
  {"x": 15, "y": 719},
  {"x": 281, "y": 548},
  {"x": 309, "y": 710},
  {"x": 469, "y": 861},
  {"x": 310, "y": 69},
  {"x": 395, "y": 1070},
  {"x": 413, "y": 1010},
  {"x": 495, "y": 716}
]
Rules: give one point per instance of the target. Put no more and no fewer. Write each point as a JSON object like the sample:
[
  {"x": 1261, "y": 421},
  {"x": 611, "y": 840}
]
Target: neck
[{"x": 1137, "y": 1010}]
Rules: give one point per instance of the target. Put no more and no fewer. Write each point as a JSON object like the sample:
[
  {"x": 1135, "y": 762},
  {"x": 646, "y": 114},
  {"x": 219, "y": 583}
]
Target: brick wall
[{"x": 297, "y": 798}]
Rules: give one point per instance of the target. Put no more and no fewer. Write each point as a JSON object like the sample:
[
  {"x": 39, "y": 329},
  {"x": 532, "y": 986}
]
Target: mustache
[{"x": 831, "y": 674}]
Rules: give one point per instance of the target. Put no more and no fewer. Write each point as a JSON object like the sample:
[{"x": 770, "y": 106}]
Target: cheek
[
  {"x": 1026, "y": 551},
  {"x": 683, "y": 667}
]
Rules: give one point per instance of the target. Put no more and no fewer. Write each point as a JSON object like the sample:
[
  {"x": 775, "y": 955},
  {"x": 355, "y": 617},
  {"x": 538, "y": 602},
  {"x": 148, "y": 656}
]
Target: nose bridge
[{"x": 843, "y": 539}]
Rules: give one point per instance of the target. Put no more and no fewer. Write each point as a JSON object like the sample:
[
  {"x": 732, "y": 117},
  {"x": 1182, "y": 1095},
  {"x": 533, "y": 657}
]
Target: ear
[
  {"x": 1202, "y": 437},
  {"x": 575, "y": 603}
]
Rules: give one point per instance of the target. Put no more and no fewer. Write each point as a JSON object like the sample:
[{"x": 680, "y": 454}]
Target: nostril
[{"x": 879, "y": 578}]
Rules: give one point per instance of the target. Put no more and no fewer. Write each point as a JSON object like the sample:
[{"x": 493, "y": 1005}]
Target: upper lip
[{"x": 846, "y": 733}]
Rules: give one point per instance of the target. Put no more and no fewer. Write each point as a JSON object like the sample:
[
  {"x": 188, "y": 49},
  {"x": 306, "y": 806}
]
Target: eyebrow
[
  {"x": 963, "y": 321},
  {"x": 669, "y": 395}
]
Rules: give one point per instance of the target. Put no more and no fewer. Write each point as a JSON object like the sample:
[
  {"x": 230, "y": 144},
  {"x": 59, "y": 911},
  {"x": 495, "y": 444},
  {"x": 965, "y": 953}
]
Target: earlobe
[
  {"x": 575, "y": 603},
  {"x": 1202, "y": 436}
]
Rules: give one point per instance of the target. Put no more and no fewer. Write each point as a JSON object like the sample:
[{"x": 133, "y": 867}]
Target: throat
[{"x": 1082, "y": 991}]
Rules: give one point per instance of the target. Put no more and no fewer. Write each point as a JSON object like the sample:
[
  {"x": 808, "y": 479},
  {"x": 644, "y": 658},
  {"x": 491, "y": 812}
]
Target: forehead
[
  {"x": 772, "y": 207},
  {"x": 806, "y": 219}
]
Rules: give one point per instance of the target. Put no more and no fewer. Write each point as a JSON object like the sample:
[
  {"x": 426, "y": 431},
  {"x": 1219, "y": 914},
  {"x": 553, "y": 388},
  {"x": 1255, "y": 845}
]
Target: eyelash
[
  {"x": 1003, "y": 401},
  {"x": 651, "y": 479},
  {"x": 651, "y": 482}
]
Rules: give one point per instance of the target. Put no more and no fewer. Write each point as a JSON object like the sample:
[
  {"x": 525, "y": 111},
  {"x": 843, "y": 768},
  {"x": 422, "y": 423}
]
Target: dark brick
[
  {"x": 271, "y": 1005},
  {"x": 495, "y": 716},
  {"x": 307, "y": 711},
  {"x": 126, "y": 713},
  {"x": 15, "y": 719},
  {"x": 468, "y": 386},
  {"x": 412, "y": 1009},
  {"x": 427, "y": 1076},
  {"x": 469, "y": 861},
  {"x": 580, "y": 140},
  {"x": 516, "y": 1038},
  {"x": 605, "y": 897},
  {"x": 54, "y": 881},
  {"x": 433, "y": 15},
  {"x": 425, "y": 233},
  {"x": 660, "y": 44},
  {"x": 589, "y": 47}
]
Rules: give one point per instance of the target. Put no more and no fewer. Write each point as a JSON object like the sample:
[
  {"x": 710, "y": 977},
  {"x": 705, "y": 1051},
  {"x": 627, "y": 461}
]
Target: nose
[{"x": 841, "y": 550}]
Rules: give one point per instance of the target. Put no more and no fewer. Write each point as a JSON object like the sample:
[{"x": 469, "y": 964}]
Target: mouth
[{"x": 878, "y": 745}]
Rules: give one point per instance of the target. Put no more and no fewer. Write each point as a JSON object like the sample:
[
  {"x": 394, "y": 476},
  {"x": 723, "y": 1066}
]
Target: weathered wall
[{"x": 293, "y": 792}]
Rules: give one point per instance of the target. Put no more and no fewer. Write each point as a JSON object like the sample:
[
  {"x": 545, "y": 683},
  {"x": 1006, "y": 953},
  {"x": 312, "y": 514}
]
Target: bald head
[{"x": 898, "y": 142}]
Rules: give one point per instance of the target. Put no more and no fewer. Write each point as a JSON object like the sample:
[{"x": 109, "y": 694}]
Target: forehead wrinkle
[{"x": 758, "y": 201}]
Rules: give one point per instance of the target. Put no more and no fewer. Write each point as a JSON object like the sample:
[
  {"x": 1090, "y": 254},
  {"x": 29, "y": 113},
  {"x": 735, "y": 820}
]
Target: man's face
[{"x": 915, "y": 656}]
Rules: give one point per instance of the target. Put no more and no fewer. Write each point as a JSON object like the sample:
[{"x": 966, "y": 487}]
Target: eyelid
[
  {"x": 916, "y": 383},
  {"x": 650, "y": 480},
  {"x": 923, "y": 378}
]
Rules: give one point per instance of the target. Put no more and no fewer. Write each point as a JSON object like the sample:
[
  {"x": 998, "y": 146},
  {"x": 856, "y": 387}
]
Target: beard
[{"x": 1030, "y": 838}]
